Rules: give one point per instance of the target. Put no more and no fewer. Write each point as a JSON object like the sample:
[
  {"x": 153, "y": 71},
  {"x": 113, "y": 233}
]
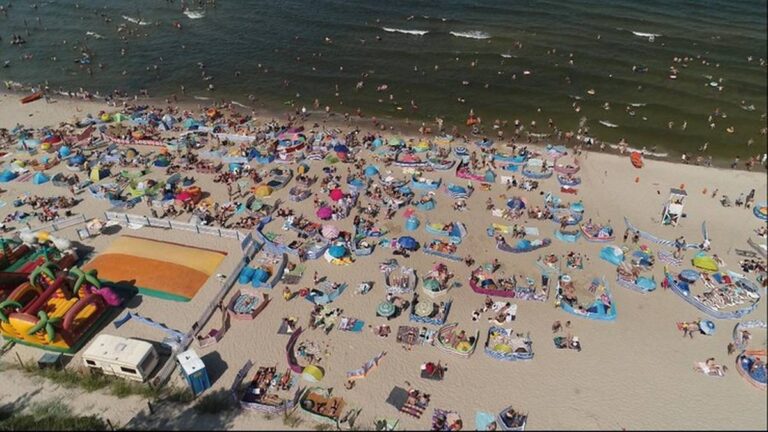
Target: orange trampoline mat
[
  {"x": 164, "y": 276},
  {"x": 202, "y": 260}
]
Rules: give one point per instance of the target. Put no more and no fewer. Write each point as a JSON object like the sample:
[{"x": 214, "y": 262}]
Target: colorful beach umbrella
[
  {"x": 330, "y": 232},
  {"x": 385, "y": 309},
  {"x": 707, "y": 327},
  {"x": 262, "y": 191},
  {"x": 408, "y": 243},
  {"x": 324, "y": 213},
  {"x": 336, "y": 194},
  {"x": 312, "y": 373},
  {"x": 337, "y": 251}
]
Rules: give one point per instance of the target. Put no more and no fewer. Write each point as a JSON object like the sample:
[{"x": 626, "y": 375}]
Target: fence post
[
  {"x": 197, "y": 227},
  {"x": 146, "y": 219}
]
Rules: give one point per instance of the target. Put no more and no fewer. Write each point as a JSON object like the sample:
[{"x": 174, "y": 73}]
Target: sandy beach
[{"x": 632, "y": 373}]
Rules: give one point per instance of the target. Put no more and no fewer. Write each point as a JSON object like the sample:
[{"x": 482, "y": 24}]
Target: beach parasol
[
  {"x": 330, "y": 232},
  {"x": 517, "y": 203},
  {"x": 432, "y": 284},
  {"x": 312, "y": 373},
  {"x": 341, "y": 148},
  {"x": 385, "y": 309},
  {"x": 424, "y": 309},
  {"x": 336, "y": 194},
  {"x": 408, "y": 243},
  {"x": 65, "y": 151},
  {"x": 324, "y": 213},
  {"x": 262, "y": 191},
  {"x": 337, "y": 251},
  {"x": 707, "y": 327}
]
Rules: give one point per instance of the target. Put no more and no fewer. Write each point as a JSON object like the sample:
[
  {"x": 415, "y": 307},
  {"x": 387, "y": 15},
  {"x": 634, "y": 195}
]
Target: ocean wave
[
  {"x": 94, "y": 35},
  {"x": 608, "y": 124},
  {"x": 410, "y": 32},
  {"x": 194, "y": 14},
  {"x": 474, "y": 34},
  {"x": 645, "y": 35},
  {"x": 135, "y": 20}
]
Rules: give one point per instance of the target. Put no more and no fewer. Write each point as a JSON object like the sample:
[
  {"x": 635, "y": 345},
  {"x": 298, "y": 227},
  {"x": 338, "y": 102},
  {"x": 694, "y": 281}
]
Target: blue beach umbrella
[
  {"x": 337, "y": 251},
  {"x": 707, "y": 327},
  {"x": 408, "y": 243}
]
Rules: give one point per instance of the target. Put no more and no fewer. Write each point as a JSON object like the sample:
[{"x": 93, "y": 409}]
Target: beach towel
[
  {"x": 532, "y": 231},
  {"x": 24, "y": 177},
  {"x": 483, "y": 420},
  {"x": 351, "y": 324}
]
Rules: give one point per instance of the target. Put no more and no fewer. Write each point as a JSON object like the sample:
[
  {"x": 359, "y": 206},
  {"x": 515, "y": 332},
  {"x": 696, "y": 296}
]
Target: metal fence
[
  {"x": 59, "y": 223},
  {"x": 175, "y": 225}
]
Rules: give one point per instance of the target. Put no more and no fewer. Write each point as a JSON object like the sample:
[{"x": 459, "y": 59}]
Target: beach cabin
[
  {"x": 126, "y": 358},
  {"x": 673, "y": 209},
  {"x": 194, "y": 372}
]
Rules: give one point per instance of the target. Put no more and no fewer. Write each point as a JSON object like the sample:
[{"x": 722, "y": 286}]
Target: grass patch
[
  {"x": 323, "y": 427},
  {"x": 214, "y": 403},
  {"x": 291, "y": 419},
  {"x": 50, "y": 415},
  {"x": 78, "y": 378}
]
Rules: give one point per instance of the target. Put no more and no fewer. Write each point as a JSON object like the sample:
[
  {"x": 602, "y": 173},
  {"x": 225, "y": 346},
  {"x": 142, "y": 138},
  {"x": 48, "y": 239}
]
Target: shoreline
[{"x": 407, "y": 128}]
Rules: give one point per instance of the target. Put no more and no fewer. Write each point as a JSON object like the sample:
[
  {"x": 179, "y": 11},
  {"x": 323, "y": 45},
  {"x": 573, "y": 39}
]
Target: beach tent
[
  {"x": 40, "y": 178},
  {"x": 262, "y": 191},
  {"x": 577, "y": 207},
  {"x": 7, "y": 176},
  {"x": 118, "y": 117},
  {"x": 341, "y": 148},
  {"x": 490, "y": 176},
  {"x": 65, "y": 151},
  {"x": 312, "y": 373},
  {"x": 371, "y": 171},
  {"x": 705, "y": 262},
  {"x": 190, "y": 123},
  {"x": 612, "y": 254},
  {"x": 303, "y": 169},
  {"x": 260, "y": 276},
  {"x": 98, "y": 174}
]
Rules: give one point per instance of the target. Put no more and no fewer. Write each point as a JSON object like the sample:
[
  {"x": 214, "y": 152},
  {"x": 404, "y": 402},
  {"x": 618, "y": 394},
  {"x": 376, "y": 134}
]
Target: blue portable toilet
[{"x": 193, "y": 370}]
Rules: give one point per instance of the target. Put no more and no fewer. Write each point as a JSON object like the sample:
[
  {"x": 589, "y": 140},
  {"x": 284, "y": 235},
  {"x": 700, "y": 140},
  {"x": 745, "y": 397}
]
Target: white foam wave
[
  {"x": 646, "y": 35},
  {"x": 135, "y": 20},
  {"x": 410, "y": 32},
  {"x": 474, "y": 34},
  {"x": 194, "y": 14}
]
